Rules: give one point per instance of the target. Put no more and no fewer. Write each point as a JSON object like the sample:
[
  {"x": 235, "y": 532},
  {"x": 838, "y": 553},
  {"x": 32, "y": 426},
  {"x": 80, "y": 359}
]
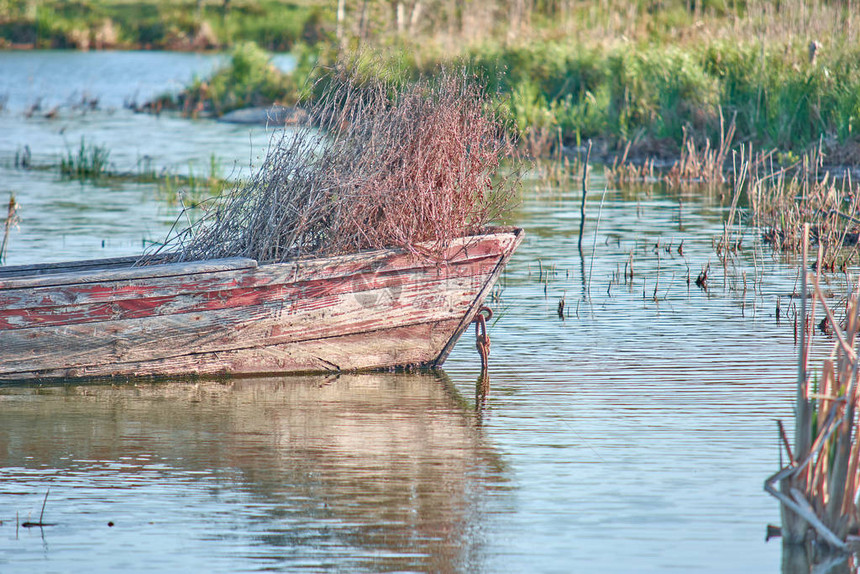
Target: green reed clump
[
  {"x": 53, "y": 30},
  {"x": 275, "y": 26},
  {"x": 90, "y": 161},
  {"x": 191, "y": 190},
  {"x": 784, "y": 99},
  {"x": 659, "y": 91},
  {"x": 555, "y": 68},
  {"x": 548, "y": 90}
]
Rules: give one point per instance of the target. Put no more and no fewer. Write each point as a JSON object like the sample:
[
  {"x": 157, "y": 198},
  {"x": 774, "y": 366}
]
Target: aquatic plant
[
  {"x": 192, "y": 190},
  {"x": 376, "y": 166},
  {"x": 781, "y": 199},
  {"x": 275, "y": 26},
  {"x": 90, "y": 161},
  {"x": 661, "y": 99}
]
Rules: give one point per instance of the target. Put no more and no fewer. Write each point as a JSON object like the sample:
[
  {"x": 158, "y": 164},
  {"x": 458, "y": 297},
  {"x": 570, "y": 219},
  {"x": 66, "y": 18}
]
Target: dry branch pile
[{"x": 374, "y": 167}]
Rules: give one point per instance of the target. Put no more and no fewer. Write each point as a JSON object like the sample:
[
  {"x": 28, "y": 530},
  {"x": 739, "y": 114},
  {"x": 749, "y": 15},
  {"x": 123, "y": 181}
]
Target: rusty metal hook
[{"x": 482, "y": 338}]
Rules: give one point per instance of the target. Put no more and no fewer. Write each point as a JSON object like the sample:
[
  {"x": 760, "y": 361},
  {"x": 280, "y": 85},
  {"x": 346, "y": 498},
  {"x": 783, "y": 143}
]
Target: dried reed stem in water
[
  {"x": 11, "y": 221},
  {"x": 374, "y": 167}
]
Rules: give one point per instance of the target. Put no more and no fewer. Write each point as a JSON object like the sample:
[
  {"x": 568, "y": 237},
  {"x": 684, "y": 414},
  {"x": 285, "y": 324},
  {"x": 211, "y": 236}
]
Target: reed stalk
[
  {"x": 11, "y": 221},
  {"x": 594, "y": 241}
]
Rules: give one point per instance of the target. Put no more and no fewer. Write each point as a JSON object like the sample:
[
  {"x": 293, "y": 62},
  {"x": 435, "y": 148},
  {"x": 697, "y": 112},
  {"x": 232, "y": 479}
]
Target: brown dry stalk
[
  {"x": 375, "y": 166},
  {"x": 11, "y": 221}
]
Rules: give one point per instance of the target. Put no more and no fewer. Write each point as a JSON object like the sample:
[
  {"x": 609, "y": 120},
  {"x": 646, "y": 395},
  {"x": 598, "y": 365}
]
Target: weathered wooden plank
[
  {"x": 98, "y": 303},
  {"x": 30, "y": 275},
  {"x": 139, "y": 307},
  {"x": 73, "y": 266},
  {"x": 119, "y": 290},
  {"x": 255, "y": 326},
  {"x": 128, "y": 273},
  {"x": 379, "y": 263},
  {"x": 394, "y": 346}
]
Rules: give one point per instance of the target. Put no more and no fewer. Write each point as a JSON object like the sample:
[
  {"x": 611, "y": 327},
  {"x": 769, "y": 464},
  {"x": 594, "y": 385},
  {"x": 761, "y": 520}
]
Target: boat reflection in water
[{"x": 371, "y": 471}]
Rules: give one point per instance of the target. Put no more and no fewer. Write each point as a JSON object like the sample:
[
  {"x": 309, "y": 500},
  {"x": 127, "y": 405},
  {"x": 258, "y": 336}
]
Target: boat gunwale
[{"x": 112, "y": 272}]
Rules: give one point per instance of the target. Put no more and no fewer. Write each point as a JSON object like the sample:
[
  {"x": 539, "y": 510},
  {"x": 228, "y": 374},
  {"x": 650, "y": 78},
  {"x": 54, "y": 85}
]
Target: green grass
[
  {"x": 193, "y": 190},
  {"x": 657, "y": 93},
  {"x": 91, "y": 162},
  {"x": 249, "y": 79},
  {"x": 566, "y": 91},
  {"x": 88, "y": 162}
]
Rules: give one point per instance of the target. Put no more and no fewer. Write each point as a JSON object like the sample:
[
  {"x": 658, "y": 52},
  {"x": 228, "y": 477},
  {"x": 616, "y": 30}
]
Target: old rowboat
[{"x": 370, "y": 310}]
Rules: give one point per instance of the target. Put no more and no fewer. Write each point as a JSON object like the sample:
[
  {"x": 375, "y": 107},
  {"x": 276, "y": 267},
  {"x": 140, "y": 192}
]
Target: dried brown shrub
[{"x": 374, "y": 167}]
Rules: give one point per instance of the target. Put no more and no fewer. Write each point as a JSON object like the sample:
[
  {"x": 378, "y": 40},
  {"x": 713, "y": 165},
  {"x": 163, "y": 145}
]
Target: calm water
[{"x": 632, "y": 436}]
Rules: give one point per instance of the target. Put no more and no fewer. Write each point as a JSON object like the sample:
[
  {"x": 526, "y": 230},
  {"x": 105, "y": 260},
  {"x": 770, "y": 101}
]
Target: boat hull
[{"x": 372, "y": 310}]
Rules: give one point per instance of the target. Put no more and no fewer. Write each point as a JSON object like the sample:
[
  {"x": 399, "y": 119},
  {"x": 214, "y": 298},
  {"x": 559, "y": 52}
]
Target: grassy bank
[{"x": 248, "y": 79}]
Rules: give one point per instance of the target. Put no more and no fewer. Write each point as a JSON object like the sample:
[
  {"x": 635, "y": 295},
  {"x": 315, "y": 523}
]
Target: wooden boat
[{"x": 370, "y": 310}]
